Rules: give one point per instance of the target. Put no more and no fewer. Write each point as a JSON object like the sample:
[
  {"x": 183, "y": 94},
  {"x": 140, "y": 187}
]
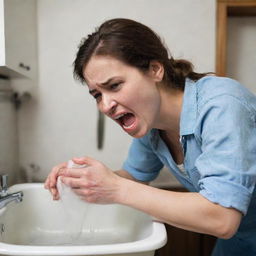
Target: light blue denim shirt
[{"x": 218, "y": 137}]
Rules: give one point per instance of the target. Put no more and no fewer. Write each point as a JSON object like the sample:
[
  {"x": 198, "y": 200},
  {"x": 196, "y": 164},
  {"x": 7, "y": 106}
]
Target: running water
[{"x": 74, "y": 209}]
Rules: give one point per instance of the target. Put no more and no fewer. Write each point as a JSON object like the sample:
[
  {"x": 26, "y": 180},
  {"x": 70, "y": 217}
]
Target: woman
[{"x": 202, "y": 127}]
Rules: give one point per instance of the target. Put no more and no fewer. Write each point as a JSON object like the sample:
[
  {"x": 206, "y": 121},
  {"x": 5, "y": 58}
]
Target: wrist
[{"x": 123, "y": 188}]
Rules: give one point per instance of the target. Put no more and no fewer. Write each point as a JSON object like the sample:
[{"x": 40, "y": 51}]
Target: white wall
[
  {"x": 241, "y": 59},
  {"x": 60, "y": 122}
]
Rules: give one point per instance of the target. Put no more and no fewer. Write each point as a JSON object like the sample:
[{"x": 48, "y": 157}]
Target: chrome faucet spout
[
  {"x": 17, "y": 197},
  {"x": 5, "y": 197}
]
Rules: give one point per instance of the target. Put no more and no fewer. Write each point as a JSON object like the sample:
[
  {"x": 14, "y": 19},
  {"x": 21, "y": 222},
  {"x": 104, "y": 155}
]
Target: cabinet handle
[{"x": 22, "y": 65}]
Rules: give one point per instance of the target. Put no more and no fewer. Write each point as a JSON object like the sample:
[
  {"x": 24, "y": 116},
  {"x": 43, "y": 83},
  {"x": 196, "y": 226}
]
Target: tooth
[
  {"x": 126, "y": 127},
  {"x": 117, "y": 117}
]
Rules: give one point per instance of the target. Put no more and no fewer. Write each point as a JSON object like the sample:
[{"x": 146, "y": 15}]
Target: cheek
[
  {"x": 140, "y": 95},
  {"x": 149, "y": 99},
  {"x": 146, "y": 107}
]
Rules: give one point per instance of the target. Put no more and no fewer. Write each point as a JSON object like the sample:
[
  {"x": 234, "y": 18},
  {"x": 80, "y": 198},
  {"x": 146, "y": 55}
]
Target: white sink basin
[{"x": 38, "y": 226}]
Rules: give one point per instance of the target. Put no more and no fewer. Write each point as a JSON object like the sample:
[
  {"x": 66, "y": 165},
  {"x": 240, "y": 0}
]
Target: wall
[
  {"x": 241, "y": 59},
  {"x": 60, "y": 121},
  {"x": 8, "y": 132}
]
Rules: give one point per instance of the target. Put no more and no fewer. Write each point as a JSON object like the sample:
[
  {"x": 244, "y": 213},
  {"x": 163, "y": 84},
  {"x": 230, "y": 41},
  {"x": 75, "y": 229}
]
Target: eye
[
  {"x": 97, "y": 96},
  {"x": 115, "y": 85}
]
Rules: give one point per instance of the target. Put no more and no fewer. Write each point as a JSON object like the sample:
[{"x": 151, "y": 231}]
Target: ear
[{"x": 156, "y": 70}]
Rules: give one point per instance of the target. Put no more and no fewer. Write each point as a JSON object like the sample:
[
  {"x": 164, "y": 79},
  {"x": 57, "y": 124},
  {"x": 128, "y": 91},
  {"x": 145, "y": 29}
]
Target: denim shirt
[{"x": 218, "y": 137}]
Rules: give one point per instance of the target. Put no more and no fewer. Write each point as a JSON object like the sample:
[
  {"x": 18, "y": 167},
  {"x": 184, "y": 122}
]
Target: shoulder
[
  {"x": 223, "y": 89},
  {"x": 212, "y": 86}
]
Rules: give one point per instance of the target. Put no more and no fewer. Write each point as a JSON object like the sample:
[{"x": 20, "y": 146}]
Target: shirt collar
[
  {"x": 188, "y": 113},
  {"x": 189, "y": 108}
]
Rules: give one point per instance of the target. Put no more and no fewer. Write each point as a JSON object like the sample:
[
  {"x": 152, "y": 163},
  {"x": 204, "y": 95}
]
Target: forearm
[
  {"x": 124, "y": 174},
  {"x": 185, "y": 210},
  {"x": 127, "y": 175}
]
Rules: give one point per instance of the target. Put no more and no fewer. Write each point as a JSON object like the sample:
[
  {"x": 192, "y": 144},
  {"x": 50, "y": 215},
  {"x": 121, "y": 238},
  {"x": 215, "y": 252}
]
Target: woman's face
[{"x": 123, "y": 93}]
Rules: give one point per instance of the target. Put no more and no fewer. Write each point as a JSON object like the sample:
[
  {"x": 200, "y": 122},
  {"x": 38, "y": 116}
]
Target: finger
[
  {"x": 54, "y": 174},
  {"x": 51, "y": 181},
  {"x": 82, "y": 193},
  {"x": 71, "y": 182},
  {"x": 84, "y": 160},
  {"x": 46, "y": 183},
  {"x": 86, "y": 195},
  {"x": 55, "y": 193},
  {"x": 72, "y": 172},
  {"x": 79, "y": 160}
]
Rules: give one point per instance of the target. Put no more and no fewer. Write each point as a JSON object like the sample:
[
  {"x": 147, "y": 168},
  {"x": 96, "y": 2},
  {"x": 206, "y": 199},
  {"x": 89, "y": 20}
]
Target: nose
[{"x": 108, "y": 105}]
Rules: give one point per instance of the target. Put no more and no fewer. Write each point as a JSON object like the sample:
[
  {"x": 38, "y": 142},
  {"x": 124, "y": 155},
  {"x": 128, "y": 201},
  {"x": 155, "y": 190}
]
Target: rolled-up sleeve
[
  {"x": 227, "y": 164},
  {"x": 142, "y": 163}
]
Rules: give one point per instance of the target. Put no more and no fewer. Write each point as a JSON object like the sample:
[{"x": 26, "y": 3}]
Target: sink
[{"x": 39, "y": 226}]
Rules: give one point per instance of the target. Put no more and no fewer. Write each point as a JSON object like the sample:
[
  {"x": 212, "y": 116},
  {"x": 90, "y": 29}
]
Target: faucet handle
[{"x": 4, "y": 184}]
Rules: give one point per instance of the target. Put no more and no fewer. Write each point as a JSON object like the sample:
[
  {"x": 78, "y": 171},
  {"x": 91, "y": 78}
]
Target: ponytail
[{"x": 177, "y": 70}]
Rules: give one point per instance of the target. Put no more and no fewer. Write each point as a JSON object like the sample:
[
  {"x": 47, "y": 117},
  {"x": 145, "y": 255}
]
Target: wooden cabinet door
[{"x": 182, "y": 243}]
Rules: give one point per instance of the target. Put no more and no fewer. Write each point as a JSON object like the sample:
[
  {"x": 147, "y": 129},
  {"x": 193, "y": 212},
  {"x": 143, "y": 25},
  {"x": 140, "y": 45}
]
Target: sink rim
[{"x": 155, "y": 240}]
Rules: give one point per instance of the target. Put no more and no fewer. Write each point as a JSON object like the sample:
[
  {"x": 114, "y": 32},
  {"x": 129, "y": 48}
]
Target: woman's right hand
[{"x": 51, "y": 180}]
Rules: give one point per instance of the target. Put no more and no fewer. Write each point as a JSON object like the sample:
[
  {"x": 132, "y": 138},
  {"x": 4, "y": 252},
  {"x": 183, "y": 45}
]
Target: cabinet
[
  {"x": 18, "y": 38},
  {"x": 182, "y": 242}
]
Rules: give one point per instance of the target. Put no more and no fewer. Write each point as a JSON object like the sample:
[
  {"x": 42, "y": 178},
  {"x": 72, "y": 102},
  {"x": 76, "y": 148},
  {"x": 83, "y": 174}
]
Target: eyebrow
[{"x": 104, "y": 84}]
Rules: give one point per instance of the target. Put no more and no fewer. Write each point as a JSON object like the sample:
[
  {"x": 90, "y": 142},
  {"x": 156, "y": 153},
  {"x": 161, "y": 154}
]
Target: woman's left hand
[{"x": 94, "y": 183}]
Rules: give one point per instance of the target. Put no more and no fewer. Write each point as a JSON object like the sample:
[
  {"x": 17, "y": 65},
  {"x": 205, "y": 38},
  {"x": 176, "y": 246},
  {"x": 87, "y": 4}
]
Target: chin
[{"x": 138, "y": 134}]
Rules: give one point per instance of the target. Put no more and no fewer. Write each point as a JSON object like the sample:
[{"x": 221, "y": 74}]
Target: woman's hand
[
  {"x": 51, "y": 181},
  {"x": 94, "y": 183}
]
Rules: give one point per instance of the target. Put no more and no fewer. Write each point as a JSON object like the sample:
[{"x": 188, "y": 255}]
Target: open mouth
[{"x": 126, "y": 120}]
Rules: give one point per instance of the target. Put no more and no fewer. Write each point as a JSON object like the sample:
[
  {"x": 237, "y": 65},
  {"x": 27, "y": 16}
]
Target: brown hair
[{"x": 136, "y": 45}]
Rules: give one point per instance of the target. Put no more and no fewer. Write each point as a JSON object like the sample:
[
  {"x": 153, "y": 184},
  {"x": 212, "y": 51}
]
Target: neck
[{"x": 169, "y": 115}]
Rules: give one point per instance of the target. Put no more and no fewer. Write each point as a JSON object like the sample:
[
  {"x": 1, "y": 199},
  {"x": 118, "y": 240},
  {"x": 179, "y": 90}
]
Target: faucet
[{"x": 5, "y": 197}]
